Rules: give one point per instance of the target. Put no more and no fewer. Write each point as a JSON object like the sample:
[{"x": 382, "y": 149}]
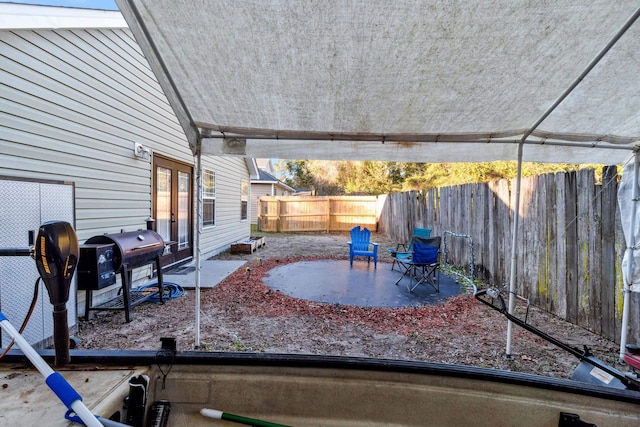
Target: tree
[
  {"x": 298, "y": 175},
  {"x": 324, "y": 177}
]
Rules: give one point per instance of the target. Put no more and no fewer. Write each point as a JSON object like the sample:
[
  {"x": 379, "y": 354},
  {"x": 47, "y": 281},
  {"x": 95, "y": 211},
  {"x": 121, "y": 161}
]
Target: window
[
  {"x": 208, "y": 198},
  {"x": 244, "y": 198}
]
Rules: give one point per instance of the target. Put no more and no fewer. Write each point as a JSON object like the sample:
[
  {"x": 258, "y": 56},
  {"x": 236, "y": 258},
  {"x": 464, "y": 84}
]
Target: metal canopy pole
[
  {"x": 565, "y": 94},
  {"x": 514, "y": 252},
  {"x": 631, "y": 247},
  {"x": 197, "y": 240}
]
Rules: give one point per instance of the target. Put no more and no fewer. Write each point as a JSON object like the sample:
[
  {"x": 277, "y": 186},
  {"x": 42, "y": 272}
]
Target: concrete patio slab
[
  {"x": 335, "y": 282},
  {"x": 212, "y": 272}
]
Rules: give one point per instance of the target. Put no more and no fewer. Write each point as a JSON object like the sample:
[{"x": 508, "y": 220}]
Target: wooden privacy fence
[
  {"x": 570, "y": 240},
  {"x": 316, "y": 213}
]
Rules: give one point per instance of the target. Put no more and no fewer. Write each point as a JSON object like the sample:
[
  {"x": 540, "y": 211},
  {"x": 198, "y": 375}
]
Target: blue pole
[{"x": 56, "y": 382}]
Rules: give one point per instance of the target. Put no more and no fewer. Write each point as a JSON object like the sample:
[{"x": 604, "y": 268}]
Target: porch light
[{"x": 141, "y": 151}]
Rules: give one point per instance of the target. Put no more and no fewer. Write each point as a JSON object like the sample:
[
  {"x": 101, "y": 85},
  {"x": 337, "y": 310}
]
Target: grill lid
[{"x": 133, "y": 248}]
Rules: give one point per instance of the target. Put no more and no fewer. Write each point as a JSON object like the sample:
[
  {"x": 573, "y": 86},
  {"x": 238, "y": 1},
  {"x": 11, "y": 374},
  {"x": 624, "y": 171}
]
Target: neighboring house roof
[
  {"x": 265, "y": 177},
  {"x": 265, "y": 164}
]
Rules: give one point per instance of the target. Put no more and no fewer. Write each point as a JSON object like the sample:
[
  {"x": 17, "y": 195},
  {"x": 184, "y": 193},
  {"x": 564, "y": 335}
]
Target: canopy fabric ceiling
[{"x": 422, "y": 81}]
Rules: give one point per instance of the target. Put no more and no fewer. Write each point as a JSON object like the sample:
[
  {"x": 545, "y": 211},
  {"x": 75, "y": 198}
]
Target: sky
[{"x": 82, "y": 4}]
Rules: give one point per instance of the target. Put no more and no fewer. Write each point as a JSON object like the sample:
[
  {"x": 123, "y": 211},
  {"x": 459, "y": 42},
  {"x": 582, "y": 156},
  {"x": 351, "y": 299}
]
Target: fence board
[
  {"x": 527, "y": 264},
  {"x": 609, "y": 263},
  {"x": 501, "y": 227},
  {"x": 317, "y": 213},
  {"x": 569, "y": 248},
  {"x": 481, "y": 205},
  {"x": 583, "y": 241},
  {"x": 490, "y": 268},
  {"x": 595, "y": 285},
  {"x": 541, "y": 282},
  {"x": 571, "y": 237},
  {"x": 550, "y": 210},
  {"x": 561, "y": 246}
]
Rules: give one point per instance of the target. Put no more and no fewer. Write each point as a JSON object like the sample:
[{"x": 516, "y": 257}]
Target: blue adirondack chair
[{"x": 361, "y": 245}]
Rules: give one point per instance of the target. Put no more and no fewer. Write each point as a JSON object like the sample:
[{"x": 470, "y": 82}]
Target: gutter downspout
[
  {"x": 565, "y": 94},
  {"x": 631, "y": 246}
]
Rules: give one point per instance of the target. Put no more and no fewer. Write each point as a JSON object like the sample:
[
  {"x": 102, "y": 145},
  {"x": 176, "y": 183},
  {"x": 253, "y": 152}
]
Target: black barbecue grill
[{"x": 103, "y": 256}]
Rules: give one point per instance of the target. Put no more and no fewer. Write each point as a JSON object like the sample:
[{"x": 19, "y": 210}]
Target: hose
[{"x": 170, "y": 291}]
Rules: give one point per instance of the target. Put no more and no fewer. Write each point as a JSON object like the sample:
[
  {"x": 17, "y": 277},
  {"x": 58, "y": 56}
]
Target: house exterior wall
[
  {"x": 73, "y": 103},
  {"x": 257, "y": 191},
  {"x": 229, "y": 228}
]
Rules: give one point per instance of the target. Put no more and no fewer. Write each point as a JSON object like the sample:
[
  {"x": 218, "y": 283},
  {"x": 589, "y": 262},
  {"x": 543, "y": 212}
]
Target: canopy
[
  {"x": 422, "y": 81},
  {"x": 628, "y": 192}
]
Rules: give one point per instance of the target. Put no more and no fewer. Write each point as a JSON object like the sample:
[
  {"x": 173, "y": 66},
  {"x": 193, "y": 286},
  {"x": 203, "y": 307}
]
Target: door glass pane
[
  {"x": 183, "y": 210},
  {"x": 163, "y": 200}
]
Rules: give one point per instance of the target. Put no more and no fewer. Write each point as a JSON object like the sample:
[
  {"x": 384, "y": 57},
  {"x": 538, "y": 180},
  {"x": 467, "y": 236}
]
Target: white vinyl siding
[
  {"x": 72, "y": 105},
  {"x": 257, "y": 191},
  {"x": 74, "y": 102},
  {"x": 229, "y": 229}
]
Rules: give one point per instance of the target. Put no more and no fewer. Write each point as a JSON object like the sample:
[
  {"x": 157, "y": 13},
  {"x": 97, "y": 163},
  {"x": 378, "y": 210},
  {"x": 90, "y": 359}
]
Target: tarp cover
[
  {"x": 396, "y": 80},
  {"x": 626, "y": 203}
]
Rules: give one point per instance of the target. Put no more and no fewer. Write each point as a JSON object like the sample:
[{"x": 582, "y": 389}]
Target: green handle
[{"x": 219, "y": 415}]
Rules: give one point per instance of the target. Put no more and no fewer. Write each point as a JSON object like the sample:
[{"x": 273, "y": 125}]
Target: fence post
[{"x": 328, "y": 221}]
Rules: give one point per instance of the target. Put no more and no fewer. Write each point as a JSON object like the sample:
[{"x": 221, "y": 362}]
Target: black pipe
[
  {"x": 61, "y": 335},
  {"x": 503, "y": 309},
  {"x": 582, "y": 355},
  {"x": 16, "y": 251}
]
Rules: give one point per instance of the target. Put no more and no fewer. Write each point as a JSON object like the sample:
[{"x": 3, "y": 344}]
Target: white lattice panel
[
  {"x": 20, "y": 212},
  {"x": 24, "y": 205},
  {"x": 18, "y": 277},
  {"x": 57, "y": 204}
]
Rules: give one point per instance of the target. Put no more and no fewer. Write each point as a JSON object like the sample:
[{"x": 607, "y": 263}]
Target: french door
[{"x": 172, "y": 195}]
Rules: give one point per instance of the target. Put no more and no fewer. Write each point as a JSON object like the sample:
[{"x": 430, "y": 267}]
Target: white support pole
[
  {"x": 514, "y": 252},
  {"x": 631, "y": 246},
  {"x": 197, "y": 240},
  {"x": 526, "y": 135}
]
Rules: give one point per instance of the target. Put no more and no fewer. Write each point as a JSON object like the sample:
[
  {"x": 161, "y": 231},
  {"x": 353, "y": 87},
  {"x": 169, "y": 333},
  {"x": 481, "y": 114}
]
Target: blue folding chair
[
  {"x": 405, "y": 254},
  {"x": 422, "y": 265},
  {"x": 360, "y": 245}
]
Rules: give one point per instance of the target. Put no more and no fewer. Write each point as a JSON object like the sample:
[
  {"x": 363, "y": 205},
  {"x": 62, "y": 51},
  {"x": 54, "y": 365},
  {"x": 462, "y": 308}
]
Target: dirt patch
[{"x": 243, "y": 314}]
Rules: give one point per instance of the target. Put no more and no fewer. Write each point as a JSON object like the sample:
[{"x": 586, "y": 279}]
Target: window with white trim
[
  {"x": 208, "y": 198},
  {"x": 244, "y": 199}
]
